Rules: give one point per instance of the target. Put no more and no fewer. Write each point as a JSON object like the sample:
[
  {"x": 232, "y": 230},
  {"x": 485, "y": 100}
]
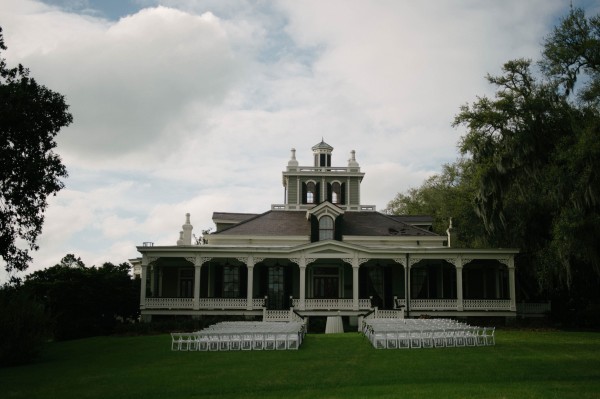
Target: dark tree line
[
  {"x": 529, "y": 173},
  {"x": 65, "y": 301}
]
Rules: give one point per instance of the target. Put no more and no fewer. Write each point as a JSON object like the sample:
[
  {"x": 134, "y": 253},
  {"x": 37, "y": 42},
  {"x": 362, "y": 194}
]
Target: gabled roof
[{"x": 294, "y": 223}]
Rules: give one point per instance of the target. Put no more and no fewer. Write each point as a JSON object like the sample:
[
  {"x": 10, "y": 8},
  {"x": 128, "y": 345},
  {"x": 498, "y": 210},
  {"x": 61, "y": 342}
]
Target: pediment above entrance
[
  {"x": 330, "y": 248},
  {"x": 330, "y": 251}
]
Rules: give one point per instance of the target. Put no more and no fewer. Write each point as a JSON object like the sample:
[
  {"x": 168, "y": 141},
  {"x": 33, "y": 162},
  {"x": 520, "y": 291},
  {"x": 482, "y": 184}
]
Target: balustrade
[
  {"x": 170, "y": 303},
  {"x": 205, "y": 303},
  {"x": 335, "y": 304},
  {"x": 433, "y": 304},
  {"x": 486, "y": 304}
]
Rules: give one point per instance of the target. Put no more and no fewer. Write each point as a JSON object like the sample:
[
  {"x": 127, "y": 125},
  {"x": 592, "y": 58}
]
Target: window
[
  {"x": 326, "y": 228},
  {"x": 335, "y": 193},
  {"x": 186, "y": 283},
  {"x": 231, "y": 281},
  {"x": 311, "y": 190}
]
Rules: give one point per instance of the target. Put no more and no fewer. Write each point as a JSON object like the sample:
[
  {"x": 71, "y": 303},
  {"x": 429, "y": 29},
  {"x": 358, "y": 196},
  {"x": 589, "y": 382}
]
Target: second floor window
[{"x": 326, "y": 226}]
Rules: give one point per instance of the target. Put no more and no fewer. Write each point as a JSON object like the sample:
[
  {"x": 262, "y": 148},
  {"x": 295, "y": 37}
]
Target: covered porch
[{"x": 322, "y": 280}]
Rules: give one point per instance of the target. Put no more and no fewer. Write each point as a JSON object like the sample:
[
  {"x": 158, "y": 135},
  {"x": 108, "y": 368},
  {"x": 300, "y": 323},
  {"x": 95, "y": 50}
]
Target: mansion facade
[{"x": 323, "y": 253}]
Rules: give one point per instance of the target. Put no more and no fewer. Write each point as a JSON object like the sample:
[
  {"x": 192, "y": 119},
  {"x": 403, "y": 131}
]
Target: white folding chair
[
  {"x": 269, "y": 341},
  {"x": 403, "y": 339},
  {"x": 281, "y": 342},
  {"x": 391, "y": 340},
  {"x": 415, "y": 339},
  {"x": 202, "y": 342},
  {"x": 247, "y": 340},
  {"x": 213, "y": 343},
  {"x": 450, "y": 340},
  {"x": 470, "y": 338},
  {"x": 459, "y": 337},
  {"x": 176, "y": 339},
  {"x": 480, "y": 337},
  {"x": 224, "y": 342},
  {"x": 427, "y": 339},
  {"x": 490, "y": 340},
  {"x": 439, "y": 338},
  {"x": 235, "y": 343},
  {"x": 192, "y": 344},
  {"x": 258, "y": 343},
  {"x": 379, "y": 340},
  {"x": 293, "y": 341}
]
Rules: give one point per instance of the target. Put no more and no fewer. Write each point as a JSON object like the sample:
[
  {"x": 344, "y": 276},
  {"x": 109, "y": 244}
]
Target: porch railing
[
  {"x": 223, "y": 303},
  {"x": 433, "y": 304},
  {"x": 452, "y": 304},
  {"x": 486, "y": 304},
  {"x": 331, "y": 304},
  {"x": 339, "y": 304},
  {"x": 170, "y": 303},
  {"x": 204, "y": 303}
]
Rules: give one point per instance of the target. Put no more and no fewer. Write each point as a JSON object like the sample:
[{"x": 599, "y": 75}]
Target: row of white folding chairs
[
  {"x": 235, "y": 341},
  {"x": 436, "y": 338},
  {"x": 371, "y": 326},
  {"x": 413, "y": 323},
  {"x": 266, "y": 327}
]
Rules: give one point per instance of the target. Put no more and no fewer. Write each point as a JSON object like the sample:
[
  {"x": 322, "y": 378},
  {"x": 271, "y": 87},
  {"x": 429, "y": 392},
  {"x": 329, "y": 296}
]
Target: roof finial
[{"x": 293, "y": 163}]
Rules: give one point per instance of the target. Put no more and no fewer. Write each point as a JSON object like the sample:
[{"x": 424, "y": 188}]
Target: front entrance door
[
  {"x": 326, "y": 282},
  {"x": 276, "y": 290}
]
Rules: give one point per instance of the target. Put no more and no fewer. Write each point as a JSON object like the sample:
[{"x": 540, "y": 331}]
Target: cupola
[{"x": 322, "y": 154}]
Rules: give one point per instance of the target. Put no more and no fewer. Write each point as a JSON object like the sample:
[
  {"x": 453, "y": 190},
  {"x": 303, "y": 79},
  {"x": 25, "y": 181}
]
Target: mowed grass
[{"x": 523, "y": 364}]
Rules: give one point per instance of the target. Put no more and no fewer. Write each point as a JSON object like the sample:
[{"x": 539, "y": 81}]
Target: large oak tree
[{"x": 31, "y": 115}]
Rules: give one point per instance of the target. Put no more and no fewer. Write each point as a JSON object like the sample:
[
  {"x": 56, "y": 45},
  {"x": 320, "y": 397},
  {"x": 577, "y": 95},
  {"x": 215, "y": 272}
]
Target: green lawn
[{"x": 523, "y": 364}]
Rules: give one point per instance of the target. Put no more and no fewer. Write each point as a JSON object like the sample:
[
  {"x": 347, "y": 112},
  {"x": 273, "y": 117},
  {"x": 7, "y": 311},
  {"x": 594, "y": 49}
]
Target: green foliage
[
  {"x": 23, "y": 326},
  {"x": 523, "y": 365},
  {"x": 537, "y": 154},
  {"x": 31, "y": 116},
  {"x": 86, "y": 301},
  {"x": 443, "y": 196}
]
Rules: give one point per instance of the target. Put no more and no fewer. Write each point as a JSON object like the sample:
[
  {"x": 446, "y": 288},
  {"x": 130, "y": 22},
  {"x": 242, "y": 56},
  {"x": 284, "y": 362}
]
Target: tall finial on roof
[
  {"x": 352, "y": 161},
  {"x": 293, "y": 163}
]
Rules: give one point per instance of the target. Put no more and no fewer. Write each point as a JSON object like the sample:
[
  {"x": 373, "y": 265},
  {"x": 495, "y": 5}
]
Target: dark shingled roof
[
  {"x": 413, "y": 219},
  {"x": 238, "y": 217},
  {"x": 286, "y": 223},
  {"x": 272, "y": 223},
  {"x": 378, "y": 224}
]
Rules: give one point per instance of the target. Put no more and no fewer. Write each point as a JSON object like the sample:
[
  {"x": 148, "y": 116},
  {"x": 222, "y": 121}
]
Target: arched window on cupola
[
  {"x": 326, "y": 228},
  {"x": 310, "y": 193},
  {"x": 335, "y": 193}
]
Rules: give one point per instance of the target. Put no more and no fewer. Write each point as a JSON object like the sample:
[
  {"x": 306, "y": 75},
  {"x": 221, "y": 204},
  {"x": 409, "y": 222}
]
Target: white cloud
[
  {"x": 194, "y": 107},
  {"x": 127, "y": 81}
]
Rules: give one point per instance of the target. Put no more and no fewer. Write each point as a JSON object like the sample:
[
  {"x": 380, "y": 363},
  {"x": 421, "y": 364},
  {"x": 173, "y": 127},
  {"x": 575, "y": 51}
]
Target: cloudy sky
[{"x": 193, "y": 105}]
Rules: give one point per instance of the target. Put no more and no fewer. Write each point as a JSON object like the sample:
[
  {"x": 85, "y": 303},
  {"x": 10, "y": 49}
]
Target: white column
[
  {"x": 407, "y": 290},
  {"x": 151, "y": 272},
  {"x": 511, "y": 284},
  {"x": 355, "y": 267},
  {"x": 250, "y": 266},
  {"x": 459, "y": 284},
  {"x": 197, "y": 270},
  {"x": 160, "y": 281},
  {"x": 302, "y": 267},
  {"x": 143, "y": 284}
]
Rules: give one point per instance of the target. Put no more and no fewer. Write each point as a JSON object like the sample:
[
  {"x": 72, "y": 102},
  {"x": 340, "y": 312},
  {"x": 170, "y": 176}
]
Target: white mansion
[{"x": 323, "y": 253}]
